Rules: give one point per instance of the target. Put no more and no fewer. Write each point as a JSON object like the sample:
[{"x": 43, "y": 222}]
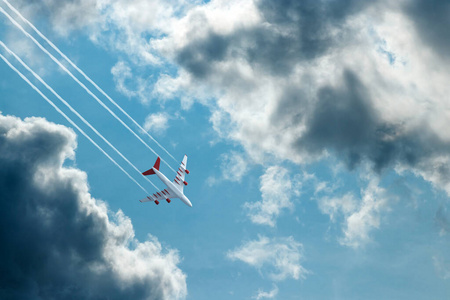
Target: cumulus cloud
[
  {"x": 277, "y": 190},
  {"x": 296, "y": 79},
  {"x": 300, "y": 80},
  {"x": 56, "y": 240},
  {"x": 279, "y": 258}
]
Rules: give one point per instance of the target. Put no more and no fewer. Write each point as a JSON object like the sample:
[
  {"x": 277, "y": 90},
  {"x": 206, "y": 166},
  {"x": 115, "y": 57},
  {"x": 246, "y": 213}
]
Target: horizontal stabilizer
[
  {"x": 149, "y": 172},
  {"x": 155, "y": 166}
]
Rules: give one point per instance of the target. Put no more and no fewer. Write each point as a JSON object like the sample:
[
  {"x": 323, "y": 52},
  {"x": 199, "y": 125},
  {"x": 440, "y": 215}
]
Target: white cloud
[
  {"x": 26, "y": 49},
  {"x": 65, "y": 16},
  {"x": 130, "y": 85},
  {"x": 360, "y": 216},
  {"x": 157, "y": 123},
  {"x": 266, "y": 295},
  {"x": 122, "y": 72},
  {"x": 234, "y": 166},
  {"x": 84, "y": 249},
  {"x": 219, "y": 16},
  {"x": 332, "y": 206},
  {"x": 277, "y": 190},
  {"x": 127, "y": 26},
  {"x": 279, "y": 258},
  {"x": 366, "y": 218}
]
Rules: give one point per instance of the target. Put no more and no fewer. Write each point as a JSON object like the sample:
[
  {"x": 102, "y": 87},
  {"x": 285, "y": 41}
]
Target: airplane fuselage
[{"x": 173, "y": 189}]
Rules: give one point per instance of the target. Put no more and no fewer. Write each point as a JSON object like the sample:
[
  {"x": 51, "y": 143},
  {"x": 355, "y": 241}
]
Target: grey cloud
[
  {"x": 431, "y": 19},
  {"x": 198, "y": 56},
  {"x": 292, "y": 107},
  {"x": 318, "y": 12},
  {"x": 56, "y": 242},
  {"x": 305, "y": 30},
  {"x": 344, "y": 120},
  {"x": 291, "y": 31}
]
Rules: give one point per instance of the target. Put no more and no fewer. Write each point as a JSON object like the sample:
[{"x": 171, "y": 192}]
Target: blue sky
[{"x": 317, "y": 143}]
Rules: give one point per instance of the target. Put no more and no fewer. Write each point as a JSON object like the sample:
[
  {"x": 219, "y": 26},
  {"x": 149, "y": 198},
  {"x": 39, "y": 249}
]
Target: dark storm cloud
[
  {"x": 431, "y": 18},
  {"x": 343, "y": 120},
  {"x": 293, "y": 31},
  {"x": 53, "y": 235}
]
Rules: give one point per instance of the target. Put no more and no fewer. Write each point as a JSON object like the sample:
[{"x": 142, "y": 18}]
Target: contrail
[
  {"x": 84, "y": 75},
  {"x": 79, "y": 83},
  {"x": 71, "y": 109},
  {"x": 69, "y": 120}
]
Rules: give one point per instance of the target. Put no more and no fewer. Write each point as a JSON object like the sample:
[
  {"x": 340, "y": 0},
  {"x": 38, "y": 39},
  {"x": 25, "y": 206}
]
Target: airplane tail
[{"x": 155, "y": 166}]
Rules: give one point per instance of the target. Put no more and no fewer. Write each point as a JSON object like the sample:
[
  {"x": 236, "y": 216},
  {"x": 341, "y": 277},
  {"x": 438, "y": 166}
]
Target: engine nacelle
[
  {"x": 156, "y": 202},
  {"x": 168, "y": 200},
  {"x": 187, "y": 171},
  {"x": 185, "y": 183}
]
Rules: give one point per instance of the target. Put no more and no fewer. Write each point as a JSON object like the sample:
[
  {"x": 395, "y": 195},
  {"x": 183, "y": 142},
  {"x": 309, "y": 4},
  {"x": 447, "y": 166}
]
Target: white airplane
[{"x": 174, "y": 189}]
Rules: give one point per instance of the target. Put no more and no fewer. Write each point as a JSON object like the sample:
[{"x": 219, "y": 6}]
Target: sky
[{"x": 316, "y": 134}]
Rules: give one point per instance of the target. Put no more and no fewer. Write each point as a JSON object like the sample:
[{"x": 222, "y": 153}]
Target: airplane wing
[
  {"x": 181, "y": 173},
  {"x": 159, "y": 196}
]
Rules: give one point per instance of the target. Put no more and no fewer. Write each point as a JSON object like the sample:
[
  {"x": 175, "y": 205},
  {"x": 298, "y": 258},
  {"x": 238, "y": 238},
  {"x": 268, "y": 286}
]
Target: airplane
[{"x": 174, "y": 188}]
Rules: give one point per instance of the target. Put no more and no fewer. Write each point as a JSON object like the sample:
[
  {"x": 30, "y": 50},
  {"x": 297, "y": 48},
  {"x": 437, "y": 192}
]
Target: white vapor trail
[
  {"x": 84, "y": 75},
  {"x": 71, "y": 109},
  {"x": 69, "y": 120},
  {"x": 79, "y": 82}
]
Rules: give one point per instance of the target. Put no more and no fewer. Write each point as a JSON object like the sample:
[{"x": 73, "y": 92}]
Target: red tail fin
[
  {"x": 157, "y": 163},
  {"x": 155, "y": 166}
]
